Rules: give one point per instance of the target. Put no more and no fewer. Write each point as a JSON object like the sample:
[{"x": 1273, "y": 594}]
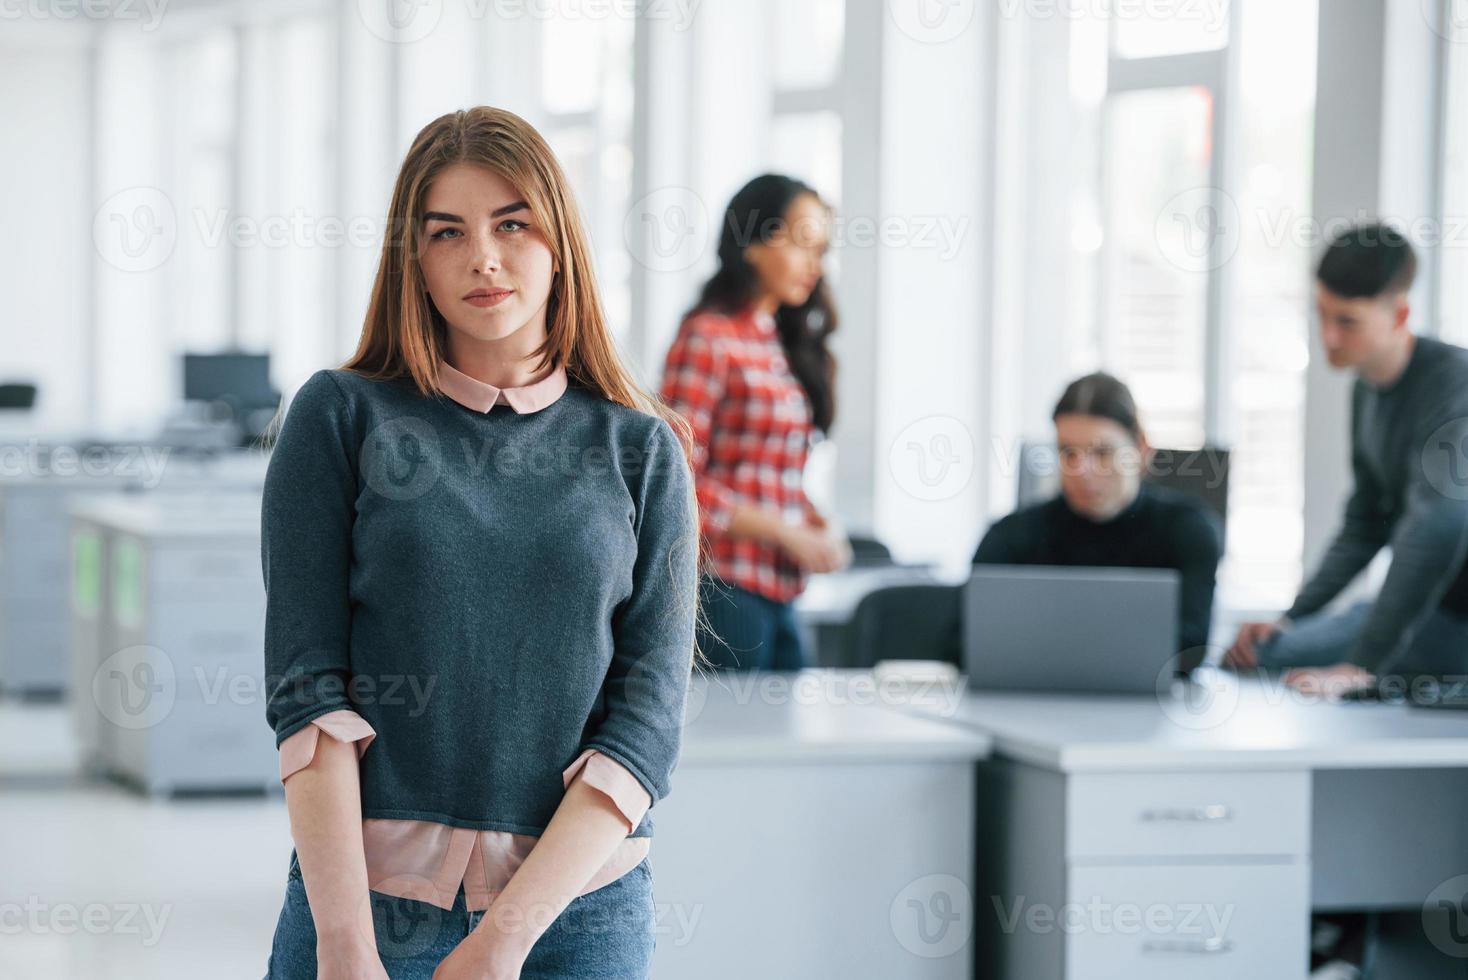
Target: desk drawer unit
[
  {"x": 1142, "y": 875},
  {"x": 1203, "y": 922},
  {"x": 1183, "y": 814}
]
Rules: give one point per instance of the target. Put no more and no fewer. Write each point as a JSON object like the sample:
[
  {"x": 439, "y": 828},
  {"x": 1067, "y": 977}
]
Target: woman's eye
[
  {"x": 510, "y": 224},
  {"x": 445, "y": 232}
]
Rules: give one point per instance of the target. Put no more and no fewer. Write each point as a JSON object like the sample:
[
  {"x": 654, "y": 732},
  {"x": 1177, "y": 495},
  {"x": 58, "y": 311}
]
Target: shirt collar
[
  {"x": 480, "y": 397},
  {"x": 764, "y": 321}
]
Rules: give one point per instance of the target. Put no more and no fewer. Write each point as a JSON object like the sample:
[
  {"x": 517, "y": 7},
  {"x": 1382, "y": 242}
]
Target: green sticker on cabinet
[
  {"x": 86, "y": 572},
  {"x": 127, "y": 582}
]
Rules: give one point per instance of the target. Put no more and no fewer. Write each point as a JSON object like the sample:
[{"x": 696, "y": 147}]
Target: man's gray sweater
[{"x": 1409, "y": 451}]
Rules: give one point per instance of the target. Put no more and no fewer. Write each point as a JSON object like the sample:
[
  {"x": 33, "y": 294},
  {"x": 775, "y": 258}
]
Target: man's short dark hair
[{"x": 1368, "y": 261}]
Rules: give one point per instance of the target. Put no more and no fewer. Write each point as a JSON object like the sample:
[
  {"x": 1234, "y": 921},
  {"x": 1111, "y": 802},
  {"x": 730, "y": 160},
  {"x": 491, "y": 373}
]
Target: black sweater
[{"x": 1161, "y": 529}]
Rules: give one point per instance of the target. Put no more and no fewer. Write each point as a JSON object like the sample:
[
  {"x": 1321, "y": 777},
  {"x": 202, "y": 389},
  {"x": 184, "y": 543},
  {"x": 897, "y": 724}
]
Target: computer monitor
[{"x": 240, "y": 380}]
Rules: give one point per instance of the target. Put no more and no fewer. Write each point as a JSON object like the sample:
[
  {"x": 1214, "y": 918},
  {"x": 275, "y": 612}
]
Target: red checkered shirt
[{"x": 752, "y": 432}]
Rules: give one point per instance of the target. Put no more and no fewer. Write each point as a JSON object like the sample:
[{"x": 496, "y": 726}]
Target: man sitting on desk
[
  {"x": 1409, "y": 447},
  {"x": 1107, "y": 516}
]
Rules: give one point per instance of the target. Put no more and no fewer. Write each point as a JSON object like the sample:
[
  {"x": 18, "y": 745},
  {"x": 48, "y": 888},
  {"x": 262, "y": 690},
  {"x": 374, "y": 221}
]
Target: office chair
[
  {"x": 867, "y": 552},
  {"x": 17, "y": 395},
  {"x": 906, "y": 622},
  {"x": 1201, "y": 473}
]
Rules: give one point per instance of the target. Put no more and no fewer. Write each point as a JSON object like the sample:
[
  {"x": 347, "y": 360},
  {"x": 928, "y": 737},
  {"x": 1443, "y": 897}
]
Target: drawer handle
[
  {"x": 1191, "y": 947},
  {"x": 1213, "y": 813}
]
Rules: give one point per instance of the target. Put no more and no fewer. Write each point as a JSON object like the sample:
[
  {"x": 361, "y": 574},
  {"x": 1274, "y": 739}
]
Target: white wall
[
  {"x": 932, "y": 293},
  {"x": 46, "y": 251},
  {"x": 1376, "y": 146}
]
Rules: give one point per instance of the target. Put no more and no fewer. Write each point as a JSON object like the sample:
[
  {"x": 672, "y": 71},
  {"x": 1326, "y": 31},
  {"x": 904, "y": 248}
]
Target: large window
[
  {"x": 1190, "y": 247},
  {"x": 805, "y": 127},
  {"x": 586, "y": 95},
  {"x": 1453, "y": 275}
]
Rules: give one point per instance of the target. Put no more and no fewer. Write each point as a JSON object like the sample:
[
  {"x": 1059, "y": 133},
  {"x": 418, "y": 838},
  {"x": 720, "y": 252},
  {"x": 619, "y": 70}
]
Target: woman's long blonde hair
[{"x": 404, "y": 335}]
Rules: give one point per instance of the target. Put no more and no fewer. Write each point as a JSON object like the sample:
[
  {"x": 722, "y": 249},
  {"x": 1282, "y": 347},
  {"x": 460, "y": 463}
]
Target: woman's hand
[
  {"x": 815, "y": 547},
  {"x": 349, "y": 960},
  {"x": 480, "y": 957}
]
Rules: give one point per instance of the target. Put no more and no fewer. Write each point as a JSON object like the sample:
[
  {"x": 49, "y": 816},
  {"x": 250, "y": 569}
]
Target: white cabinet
[
  {"x": 1203, "y": 922},
  {"x": 1141, "y": 875},
  {"x": 168, "y": 607},
  {"x": 36, "y": 560}
]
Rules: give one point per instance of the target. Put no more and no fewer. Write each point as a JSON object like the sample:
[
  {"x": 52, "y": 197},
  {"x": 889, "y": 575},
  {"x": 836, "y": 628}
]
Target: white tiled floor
[{"x": 100, "y": 883}]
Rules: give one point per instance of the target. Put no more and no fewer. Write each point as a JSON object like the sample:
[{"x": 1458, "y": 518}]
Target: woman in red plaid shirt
[{"x": 751, "y": 373}]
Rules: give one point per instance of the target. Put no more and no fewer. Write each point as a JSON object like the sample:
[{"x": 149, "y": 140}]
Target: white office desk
[
  {"x": 34, "y": 560},
  {"x": 168, "y": 608},
  {"x": 1223, "y": 723},
  {"x": 1257, "y": 802},
  {"x": 800, "y": 825}
]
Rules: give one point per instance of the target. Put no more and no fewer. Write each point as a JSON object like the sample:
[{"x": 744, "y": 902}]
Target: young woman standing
[
  {"x": 479, "y": 541},
  {"x": 751, "y": 372}
]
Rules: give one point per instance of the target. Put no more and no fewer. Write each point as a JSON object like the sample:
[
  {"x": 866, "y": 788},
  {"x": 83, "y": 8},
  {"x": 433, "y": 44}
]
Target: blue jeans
[
  {"x": 745, "y": 630},
  {"x": 1440, "y": 647},
  {"x": 606, "y": 934}
]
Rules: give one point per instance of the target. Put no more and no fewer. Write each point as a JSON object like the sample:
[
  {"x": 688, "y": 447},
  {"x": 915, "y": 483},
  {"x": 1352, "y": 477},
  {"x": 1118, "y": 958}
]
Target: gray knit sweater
[
  {"x": 493, "y": 592},
  {"x": 1409, "y": 444}
]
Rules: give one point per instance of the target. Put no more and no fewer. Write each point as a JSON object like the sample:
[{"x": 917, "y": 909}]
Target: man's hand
[
  {"x": 1334, "y": 681},
  {"x": 1244, "y": 654}
]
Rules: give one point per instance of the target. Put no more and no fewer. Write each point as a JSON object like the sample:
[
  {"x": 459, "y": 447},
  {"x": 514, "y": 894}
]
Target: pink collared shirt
[{"x": 428, "y": 861}]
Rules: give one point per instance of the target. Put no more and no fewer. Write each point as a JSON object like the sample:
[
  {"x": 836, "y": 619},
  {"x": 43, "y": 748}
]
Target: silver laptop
[{"x": 1051, "y": 628}]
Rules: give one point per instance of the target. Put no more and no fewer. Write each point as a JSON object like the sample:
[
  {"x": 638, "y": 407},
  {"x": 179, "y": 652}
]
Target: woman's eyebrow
[{"x": 496, "y": 213}]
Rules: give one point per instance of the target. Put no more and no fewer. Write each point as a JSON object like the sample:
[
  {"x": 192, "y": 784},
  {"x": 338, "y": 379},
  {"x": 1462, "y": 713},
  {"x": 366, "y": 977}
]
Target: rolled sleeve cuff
[
  {"x": 344, "y": 725},
  {"x": 603, "y": 773}
]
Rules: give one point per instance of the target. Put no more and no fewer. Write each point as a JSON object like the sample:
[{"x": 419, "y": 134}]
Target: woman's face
[
  {"x": 488, "y": 269},
  {"x": 1101, "y": 465},
  {"x": 788, "y": 265}
]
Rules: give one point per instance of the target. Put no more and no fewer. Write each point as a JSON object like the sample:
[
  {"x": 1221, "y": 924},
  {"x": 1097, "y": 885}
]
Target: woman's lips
[{"x": 491, "y": 297}]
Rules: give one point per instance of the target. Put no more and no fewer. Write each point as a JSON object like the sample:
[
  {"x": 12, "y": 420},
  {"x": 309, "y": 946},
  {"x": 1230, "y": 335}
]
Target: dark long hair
[
  {"x": 754, "y": 214},
  {"x": 1103, "y": 396}
]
